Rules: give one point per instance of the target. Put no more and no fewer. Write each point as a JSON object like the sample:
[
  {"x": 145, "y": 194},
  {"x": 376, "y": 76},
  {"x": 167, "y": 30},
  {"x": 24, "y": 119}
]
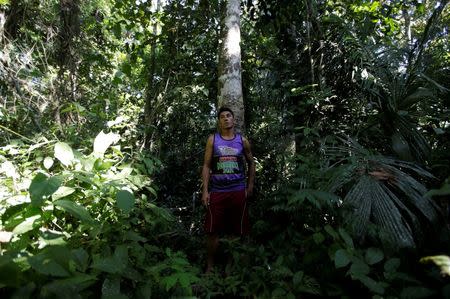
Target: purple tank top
[{"x": 228, "y": 172}]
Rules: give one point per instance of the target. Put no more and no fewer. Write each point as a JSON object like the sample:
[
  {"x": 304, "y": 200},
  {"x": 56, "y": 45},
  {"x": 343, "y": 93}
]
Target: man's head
[
  {"x": 224, "y": 109},
  {"x": 226, "y": 118}
]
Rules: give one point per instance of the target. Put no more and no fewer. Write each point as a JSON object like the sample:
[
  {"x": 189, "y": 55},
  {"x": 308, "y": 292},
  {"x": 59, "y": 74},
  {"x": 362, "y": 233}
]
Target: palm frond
[
  {"x": 412, "y": 190},
  {"x": 389, "y": 218},
  {"x": 341, "y": 177},
  {"x": 414, "y": 97},
  {"x": 361, "y": 201},
  {"x": 399, "y": 164},
  {"x": 385, "y": 191},
  {"x": 419, "y": 147}
]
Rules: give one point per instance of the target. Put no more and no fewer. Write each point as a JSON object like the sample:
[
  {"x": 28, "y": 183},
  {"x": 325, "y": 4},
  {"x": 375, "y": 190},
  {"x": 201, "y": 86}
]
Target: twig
[{"x": 11, "y": 131}]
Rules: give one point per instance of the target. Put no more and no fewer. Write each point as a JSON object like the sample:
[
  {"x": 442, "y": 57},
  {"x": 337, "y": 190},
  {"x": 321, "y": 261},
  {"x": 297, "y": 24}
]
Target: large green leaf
[
  {"x": 60, "y": 288},
  {"x": 359, "y": 268},
  {"x": 64, "y": 153},
  {"x": 125, "y": 200},
  {"x": 374, "y": 286},
  {"x": 81, "y": 258},
  {"x": 106, "y": 264},
  {"x": 444, "y": 190},
  {"x": 111, "y": 288},
  {"x": 391, "y": 265},
  {"x": 112, "y": 264},
  {"x": 145, "y": 291},
  {"x": 53, "y": 261},
  {"x": 341, "y": 258},
  {"x": 9, "y": 272},
  {"x": 76, "y": 210},
  {"x": 42, "y": 187},
  {"x": 346, "y": 237},
  {"x": 418, "y": 293},
  {"x": 374, "y": 255}
]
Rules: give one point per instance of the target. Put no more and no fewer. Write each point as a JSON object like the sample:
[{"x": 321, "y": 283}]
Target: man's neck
[{"x": 227, "y": 133}]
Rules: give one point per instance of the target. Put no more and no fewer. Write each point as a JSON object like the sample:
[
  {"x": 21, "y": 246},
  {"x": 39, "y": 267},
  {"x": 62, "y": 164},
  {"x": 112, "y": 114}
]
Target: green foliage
[
  {"x": 109, "y": 215},
  {"x": 78, "y": 203}
]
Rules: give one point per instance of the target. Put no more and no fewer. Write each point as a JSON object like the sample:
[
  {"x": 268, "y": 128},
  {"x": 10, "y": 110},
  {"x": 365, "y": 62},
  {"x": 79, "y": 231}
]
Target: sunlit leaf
[
  {"x": 9, "y": 169},
  {"x": 26, "y": 225},
  {"x": 100, "y": 165},
  {"x": 62, "y": 191},
  {"x": 103, "y": 141},
  {"x": 48, "y": 162},
  {"x": 48, "y": 237},
  {"x": 64, "y": 153},
  {"x": 5, "y": 237},
  {"x": 442, "y": 261}
]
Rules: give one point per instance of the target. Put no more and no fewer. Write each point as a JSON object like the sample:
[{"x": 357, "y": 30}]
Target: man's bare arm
[{"x": 206, "y": 169}]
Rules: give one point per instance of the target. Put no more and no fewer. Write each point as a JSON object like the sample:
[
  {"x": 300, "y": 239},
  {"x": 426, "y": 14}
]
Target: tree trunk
[
  {"x": 69, "y": 29},
  {"x": 15, "y": 18},
  {"x": 151, "y": 94},
  {"x": 230, "y": 73}
]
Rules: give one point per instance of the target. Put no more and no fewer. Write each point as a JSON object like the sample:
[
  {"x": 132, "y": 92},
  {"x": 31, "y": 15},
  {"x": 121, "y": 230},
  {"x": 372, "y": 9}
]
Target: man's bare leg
[{"x": 212, "y": 245}]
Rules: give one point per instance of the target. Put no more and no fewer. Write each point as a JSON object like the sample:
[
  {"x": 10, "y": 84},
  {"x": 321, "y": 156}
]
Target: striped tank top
[{"x": 228, "y": 172}]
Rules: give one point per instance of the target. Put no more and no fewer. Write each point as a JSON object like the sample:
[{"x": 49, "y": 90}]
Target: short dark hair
[{"x": 223, "y": 109}]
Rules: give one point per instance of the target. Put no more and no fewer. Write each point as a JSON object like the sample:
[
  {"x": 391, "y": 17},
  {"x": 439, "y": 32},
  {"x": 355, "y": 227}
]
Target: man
[{"x": 225, "y": 190}]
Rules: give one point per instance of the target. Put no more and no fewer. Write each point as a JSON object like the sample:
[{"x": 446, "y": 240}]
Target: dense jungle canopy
[{"x": 105, "y": 108}]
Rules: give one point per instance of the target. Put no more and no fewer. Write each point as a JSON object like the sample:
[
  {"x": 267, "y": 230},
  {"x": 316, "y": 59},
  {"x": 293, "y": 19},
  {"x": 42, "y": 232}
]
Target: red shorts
[{"x": 227, "y": 213}]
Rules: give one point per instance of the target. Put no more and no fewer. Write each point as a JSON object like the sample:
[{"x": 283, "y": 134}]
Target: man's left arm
[{"x": 251, "y": 167}]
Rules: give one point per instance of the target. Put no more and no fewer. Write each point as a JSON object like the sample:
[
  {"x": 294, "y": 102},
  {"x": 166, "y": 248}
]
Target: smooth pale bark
[{"x": 230, "y": 77}]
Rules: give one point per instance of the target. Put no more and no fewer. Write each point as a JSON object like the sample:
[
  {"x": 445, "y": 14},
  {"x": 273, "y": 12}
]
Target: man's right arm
[{"x": 206, "y": 169}]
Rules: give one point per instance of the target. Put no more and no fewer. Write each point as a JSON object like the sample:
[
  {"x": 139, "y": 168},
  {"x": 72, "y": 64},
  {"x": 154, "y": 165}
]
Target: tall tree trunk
[
  {"x": 15, "y": 18},
  {"x": 230, "y": 73},
  {"x": 69, "y": 29},
  {"x": 407, "y": 20},
  {"x": 150, "y": 97}
]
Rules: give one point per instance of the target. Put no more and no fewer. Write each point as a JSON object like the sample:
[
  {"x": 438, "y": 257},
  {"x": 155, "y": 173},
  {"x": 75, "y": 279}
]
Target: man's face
[{"x": 226, "y": 120}]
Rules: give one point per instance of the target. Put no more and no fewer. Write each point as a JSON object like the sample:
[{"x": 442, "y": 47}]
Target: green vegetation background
[{"x": 105, "y": 110}]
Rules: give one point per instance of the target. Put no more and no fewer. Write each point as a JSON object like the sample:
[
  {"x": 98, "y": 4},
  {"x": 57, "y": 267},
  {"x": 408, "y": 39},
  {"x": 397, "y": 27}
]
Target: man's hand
[{"x": 205, "y": 198}]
